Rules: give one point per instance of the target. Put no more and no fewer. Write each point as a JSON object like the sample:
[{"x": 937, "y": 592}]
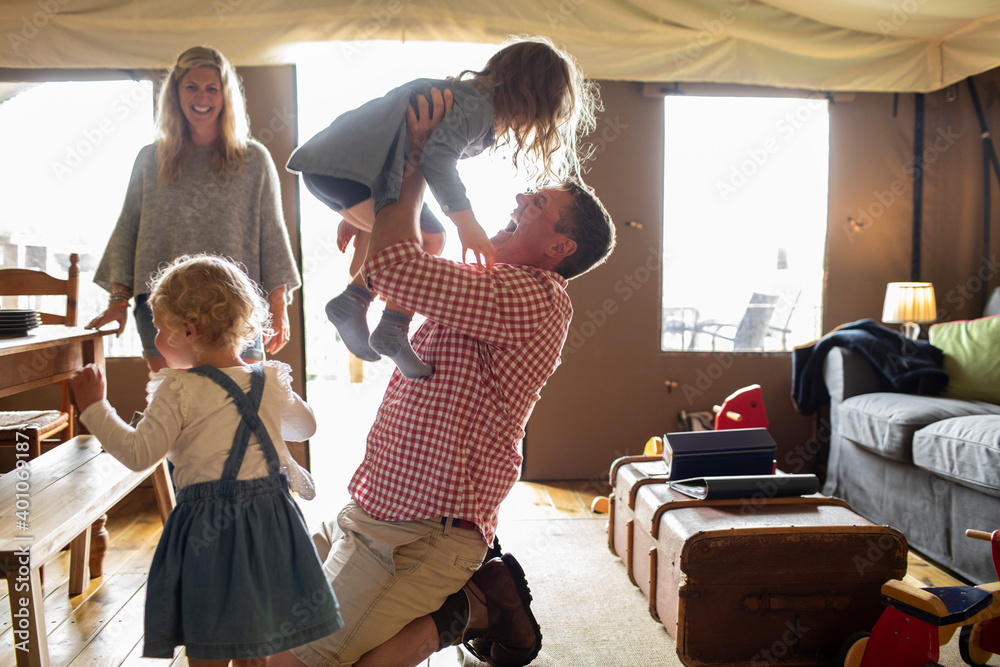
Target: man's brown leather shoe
[{"x": 501, "y": 630}]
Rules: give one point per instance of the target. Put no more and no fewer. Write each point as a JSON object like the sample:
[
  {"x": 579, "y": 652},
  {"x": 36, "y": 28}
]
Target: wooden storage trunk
[{"x": 749, "y": 582}]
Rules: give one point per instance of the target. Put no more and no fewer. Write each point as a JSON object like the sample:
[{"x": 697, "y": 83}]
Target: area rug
[{"x": 589, "y": 612}]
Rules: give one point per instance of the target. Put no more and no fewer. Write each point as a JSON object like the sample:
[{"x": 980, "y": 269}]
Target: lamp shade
[{"x": 909, "y": 302}]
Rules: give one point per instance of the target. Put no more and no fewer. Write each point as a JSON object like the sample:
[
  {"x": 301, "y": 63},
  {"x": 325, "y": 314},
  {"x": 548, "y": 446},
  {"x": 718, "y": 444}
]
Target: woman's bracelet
[{"x": 120, "y": 298}]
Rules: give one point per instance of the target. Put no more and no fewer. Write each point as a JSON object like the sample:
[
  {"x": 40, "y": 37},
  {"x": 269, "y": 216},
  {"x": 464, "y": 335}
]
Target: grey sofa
[{"x": 927, "y": 465}]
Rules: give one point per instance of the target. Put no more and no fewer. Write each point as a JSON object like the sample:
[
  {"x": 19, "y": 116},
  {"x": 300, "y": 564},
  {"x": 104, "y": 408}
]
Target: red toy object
[
  {"x": 743, "y": 408},
  {"x": 917, "y": 621}
]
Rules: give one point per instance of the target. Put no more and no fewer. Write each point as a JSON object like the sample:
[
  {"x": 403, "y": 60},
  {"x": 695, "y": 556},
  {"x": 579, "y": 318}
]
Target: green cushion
[{"x": 971, "y": 357}]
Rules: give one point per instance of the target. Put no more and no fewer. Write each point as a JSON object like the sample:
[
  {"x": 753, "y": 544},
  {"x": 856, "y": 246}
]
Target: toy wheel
[
  {"x": 853, "y": 650},
  {"x": 969, "y": 642}
]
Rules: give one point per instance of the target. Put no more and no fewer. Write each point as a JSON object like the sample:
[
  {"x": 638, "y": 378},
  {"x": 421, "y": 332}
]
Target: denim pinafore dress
[{"x": 235, "y": 574}]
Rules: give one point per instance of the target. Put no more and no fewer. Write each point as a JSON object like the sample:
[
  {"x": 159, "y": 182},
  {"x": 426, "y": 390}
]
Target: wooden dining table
[
  {"x": 46, "y": 355},
  {"x": 52, "y": 353}
]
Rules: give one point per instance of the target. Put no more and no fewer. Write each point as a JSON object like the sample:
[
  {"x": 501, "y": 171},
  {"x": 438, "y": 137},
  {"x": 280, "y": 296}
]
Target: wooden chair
[
  {"x": 32, "y": 427},
  {"x": 752, "y": 329},
  {"x": 679, "y": 328}
]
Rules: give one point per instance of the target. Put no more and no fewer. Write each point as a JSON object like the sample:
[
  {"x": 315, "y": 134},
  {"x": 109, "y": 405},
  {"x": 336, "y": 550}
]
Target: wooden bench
[{"x": 48, "y": 503}]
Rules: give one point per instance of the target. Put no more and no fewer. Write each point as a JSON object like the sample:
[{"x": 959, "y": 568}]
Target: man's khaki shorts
[{"x": 386, "y": 574}]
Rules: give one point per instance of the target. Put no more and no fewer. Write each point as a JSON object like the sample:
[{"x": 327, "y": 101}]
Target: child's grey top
[{"x": 368, "y": 144}]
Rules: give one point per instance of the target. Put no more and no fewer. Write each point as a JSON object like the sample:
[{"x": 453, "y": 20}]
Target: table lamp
[{"x": 909, "y": 304}]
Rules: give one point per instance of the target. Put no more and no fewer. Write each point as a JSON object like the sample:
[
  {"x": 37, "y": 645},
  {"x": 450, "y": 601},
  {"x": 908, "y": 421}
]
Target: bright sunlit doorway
[{"x": 333, "y": 78}]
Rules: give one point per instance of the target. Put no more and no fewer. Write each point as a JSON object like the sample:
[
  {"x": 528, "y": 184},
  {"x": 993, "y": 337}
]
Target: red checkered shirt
[{"x": 447, "y": 445}]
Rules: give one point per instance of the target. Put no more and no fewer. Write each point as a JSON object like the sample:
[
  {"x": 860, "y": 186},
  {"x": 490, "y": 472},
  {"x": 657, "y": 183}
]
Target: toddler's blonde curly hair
[{"x": 213, "y": 293}]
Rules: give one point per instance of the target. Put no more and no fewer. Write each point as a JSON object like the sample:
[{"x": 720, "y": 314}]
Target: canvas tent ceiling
[{"x": 858, "y": 45}]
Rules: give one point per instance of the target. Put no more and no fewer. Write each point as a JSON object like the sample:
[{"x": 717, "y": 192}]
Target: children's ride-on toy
[{"x": 917, "y": 621}]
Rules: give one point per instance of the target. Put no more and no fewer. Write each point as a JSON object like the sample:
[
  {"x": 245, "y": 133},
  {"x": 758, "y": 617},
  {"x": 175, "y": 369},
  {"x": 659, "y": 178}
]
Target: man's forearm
[{"x": 399, "y": 221}]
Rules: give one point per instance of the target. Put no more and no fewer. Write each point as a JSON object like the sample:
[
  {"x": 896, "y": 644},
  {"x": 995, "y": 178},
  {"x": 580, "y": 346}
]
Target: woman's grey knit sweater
[{"x": 237, "y": 216}]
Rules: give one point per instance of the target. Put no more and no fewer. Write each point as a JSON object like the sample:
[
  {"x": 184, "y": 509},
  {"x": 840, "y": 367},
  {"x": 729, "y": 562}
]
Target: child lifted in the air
[{"x": 530, "y": 95}]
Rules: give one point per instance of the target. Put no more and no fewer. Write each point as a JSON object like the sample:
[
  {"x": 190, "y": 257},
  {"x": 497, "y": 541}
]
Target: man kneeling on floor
[{"x": 443, "y": 451}]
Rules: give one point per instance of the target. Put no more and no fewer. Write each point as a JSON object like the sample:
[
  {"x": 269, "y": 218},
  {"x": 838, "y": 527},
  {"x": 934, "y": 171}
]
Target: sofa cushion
[
  {"x": 993, "y": 305},
  {"x": 970, "y": 357},
  {"x": 885, "y": 422},
  {"x": 965, "y": 450}
]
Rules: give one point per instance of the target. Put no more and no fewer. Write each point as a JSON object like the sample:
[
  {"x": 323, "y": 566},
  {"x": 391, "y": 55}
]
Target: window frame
[{"x": 667, "y": 89}]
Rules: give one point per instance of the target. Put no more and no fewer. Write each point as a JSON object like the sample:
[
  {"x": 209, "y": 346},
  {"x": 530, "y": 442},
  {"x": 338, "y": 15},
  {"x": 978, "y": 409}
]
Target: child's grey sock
[
  {"x": 349, "y": 313},
  {"x": 391, "y": 338}
]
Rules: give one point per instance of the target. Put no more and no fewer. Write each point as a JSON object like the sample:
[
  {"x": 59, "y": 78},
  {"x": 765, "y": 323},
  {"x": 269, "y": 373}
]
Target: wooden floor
[{"x": 103, "y": 625}]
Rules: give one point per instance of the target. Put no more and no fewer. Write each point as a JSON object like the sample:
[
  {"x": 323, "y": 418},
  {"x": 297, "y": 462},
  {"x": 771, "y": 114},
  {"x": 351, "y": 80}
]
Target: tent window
[
  {"x": 744, "y": 222},
  {"x": 69, "y": 148}
]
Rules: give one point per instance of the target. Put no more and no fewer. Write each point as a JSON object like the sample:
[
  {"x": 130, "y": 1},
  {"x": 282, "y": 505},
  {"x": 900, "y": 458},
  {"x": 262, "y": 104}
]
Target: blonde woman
[{"x": 205, "y": 186}]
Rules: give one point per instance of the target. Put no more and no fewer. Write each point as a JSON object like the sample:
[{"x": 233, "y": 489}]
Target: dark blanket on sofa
[{"x": 905, "y": 364}]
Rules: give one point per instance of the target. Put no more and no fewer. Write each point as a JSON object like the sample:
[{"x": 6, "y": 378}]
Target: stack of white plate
[{"x": 18, "y": 322}]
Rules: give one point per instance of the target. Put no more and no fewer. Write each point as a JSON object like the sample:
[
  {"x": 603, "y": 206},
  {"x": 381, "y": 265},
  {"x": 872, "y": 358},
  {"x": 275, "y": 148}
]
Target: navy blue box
[{"x": 737, "y": 451}]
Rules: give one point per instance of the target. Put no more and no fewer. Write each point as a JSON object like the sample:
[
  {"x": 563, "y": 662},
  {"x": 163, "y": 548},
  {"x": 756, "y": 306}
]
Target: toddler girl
[
  {"x": 235, "y": 575},
  {"x": 530, "y": 96}
]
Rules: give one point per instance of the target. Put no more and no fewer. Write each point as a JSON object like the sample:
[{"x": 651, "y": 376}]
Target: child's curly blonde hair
[{"x": 214, "y": 294}]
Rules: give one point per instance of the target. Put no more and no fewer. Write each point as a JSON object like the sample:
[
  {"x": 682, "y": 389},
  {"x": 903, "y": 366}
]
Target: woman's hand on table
[
  {"x": 88, "y": 386},
  {"x": 115, "y": 312}
]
